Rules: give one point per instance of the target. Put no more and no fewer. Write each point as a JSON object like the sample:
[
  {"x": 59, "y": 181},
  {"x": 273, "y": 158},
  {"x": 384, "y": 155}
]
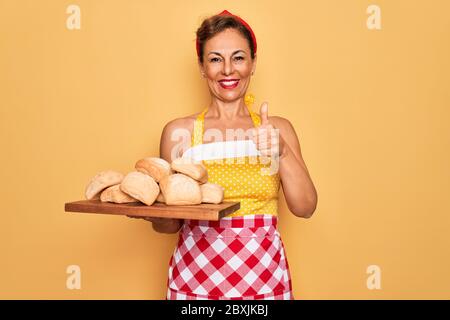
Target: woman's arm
[{"x": 298, "y": 188}]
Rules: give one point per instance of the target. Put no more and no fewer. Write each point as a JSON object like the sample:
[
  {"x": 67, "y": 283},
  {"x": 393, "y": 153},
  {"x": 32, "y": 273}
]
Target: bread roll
[
  {"x": 140, "y": 186},
  {"x": 195, "y": 170},
  {"x": 160, "y": 198},
  {"x": 156, "y": 168},
  {"x": 114, "y": 194},
  {"x": 179, "y": 189},
  {"x": 211, "y": 193},
  {"x": 102, "y": 181}
]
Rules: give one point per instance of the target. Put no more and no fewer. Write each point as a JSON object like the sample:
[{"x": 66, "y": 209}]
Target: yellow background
[{"x": 371, "y": 108}]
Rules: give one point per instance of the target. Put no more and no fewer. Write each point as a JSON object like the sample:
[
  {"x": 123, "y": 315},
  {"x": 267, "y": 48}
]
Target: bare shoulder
[
  {"x": 280, "y": 122},
  {"x": 176, "y": 137},
  {"x": 283, "y": 124},
  {"x": 186, "y": 122},
  {"x": 178, "y": 123}
]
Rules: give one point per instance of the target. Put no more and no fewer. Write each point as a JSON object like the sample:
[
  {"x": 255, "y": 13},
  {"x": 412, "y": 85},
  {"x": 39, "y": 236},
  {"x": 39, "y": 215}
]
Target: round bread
[
  {"x": 212, "y": 193},
  {"x": 156, "y": 168},
  {"x": 160, "y": 198},
  {"x": 179, "y": 189},
  {"x": 195, "y": 170},
  {"x": 140, "y": 186},
  {"x": 115, "y": 195},
  {"x": 101, "y": 181}
]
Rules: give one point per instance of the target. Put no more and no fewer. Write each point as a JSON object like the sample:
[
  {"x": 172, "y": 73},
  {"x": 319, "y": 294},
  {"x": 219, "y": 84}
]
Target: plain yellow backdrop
[{"x": 370, "y": 107}]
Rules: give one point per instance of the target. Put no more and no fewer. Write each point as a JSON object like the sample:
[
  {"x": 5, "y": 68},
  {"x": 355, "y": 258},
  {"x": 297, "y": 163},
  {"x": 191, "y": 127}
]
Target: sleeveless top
[{"x": 237, "y": 167}]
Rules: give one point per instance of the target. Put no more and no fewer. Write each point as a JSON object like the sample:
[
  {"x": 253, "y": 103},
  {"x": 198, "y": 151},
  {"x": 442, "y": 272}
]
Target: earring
[
  {"x": 203, "y": 75},
  {"x": 252, "y": 72}
]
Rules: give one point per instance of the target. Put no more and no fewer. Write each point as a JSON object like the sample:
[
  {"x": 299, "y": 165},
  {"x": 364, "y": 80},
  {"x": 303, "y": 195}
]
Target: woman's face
[{"x": 227, "y": 65}]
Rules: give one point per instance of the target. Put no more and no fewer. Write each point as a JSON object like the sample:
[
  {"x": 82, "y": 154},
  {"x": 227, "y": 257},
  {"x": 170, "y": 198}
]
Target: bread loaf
[
  {"x": 156, "y": 168},
  {"x": 114, "y": 194},
  {"x": 195, "y": 170},
  {"x": 179, "y": 189},
  {"x": 212, "y": 193},
  {"x": 102, "y": 181},
  {"x": 140, "y": 186},
  {"x": 160, "y": 198}
]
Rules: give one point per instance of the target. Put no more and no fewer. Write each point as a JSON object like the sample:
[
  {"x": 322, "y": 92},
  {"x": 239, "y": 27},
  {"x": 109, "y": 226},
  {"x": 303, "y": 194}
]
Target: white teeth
[{"x": 229, "y": 83}]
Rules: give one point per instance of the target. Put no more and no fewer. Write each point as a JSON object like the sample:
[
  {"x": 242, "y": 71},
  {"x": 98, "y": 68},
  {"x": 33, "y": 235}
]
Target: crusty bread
[
  {"x": 140, "y": 186},
  {"x": 211, "y": 193},
  {"x": 179, "y": 189},
  {"x": 195, "y": 170},
  {"x": 156, "y": 168},
  {"x": 114, "y": 194},
  {"x": 102, "y": 181}
]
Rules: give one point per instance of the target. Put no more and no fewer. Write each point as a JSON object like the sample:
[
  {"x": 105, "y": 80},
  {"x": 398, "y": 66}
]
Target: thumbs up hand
[{"x": 266, "y": 136}]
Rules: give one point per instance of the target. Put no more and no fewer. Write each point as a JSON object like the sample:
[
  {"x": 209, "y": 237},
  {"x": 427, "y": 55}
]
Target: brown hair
[{"x": 218, "y": 23}]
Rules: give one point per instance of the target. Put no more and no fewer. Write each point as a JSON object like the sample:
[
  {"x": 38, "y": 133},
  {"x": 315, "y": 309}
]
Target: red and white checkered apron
[{"x": 234, "y": 258}]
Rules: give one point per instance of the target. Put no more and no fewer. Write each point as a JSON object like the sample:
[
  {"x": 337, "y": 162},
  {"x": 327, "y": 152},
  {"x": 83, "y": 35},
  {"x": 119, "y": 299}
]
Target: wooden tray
[{"x": 202, "y": 211}]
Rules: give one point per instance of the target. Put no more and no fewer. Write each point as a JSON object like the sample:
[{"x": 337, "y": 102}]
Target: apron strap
[{"x": 197, "y": 134}]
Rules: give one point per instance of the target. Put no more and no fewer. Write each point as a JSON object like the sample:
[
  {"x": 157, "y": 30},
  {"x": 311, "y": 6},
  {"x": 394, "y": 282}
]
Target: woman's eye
[
  {"x": 215, "y": 60},
  {"x": 239, "y": 58}
]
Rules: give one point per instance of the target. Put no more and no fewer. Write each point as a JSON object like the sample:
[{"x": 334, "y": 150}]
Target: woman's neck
[{"x": 227, "y": 110}]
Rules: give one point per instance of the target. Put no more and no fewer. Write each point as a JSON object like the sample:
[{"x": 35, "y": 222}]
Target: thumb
[{"x": 264, "y": 112}]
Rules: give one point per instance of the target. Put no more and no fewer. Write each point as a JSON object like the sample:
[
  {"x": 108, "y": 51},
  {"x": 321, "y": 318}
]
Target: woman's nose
[{"x": 227, "y": 67}]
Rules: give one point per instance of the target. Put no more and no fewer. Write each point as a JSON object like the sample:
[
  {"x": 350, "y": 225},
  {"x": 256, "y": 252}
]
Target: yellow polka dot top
[{"x": 242, "y": 178}]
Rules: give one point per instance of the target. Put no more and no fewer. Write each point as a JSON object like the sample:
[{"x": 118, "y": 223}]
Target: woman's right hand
[{"x": 162, "y": 225}]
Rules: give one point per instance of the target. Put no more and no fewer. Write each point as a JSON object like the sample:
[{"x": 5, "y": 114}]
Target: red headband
[{"x": 246, "y": 25}]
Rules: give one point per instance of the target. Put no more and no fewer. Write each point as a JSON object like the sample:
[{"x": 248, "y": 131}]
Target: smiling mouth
[{"x": 229, "y": 84}]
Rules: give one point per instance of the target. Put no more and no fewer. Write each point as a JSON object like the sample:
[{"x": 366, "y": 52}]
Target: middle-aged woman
[{"x": 242, "y": 255}]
